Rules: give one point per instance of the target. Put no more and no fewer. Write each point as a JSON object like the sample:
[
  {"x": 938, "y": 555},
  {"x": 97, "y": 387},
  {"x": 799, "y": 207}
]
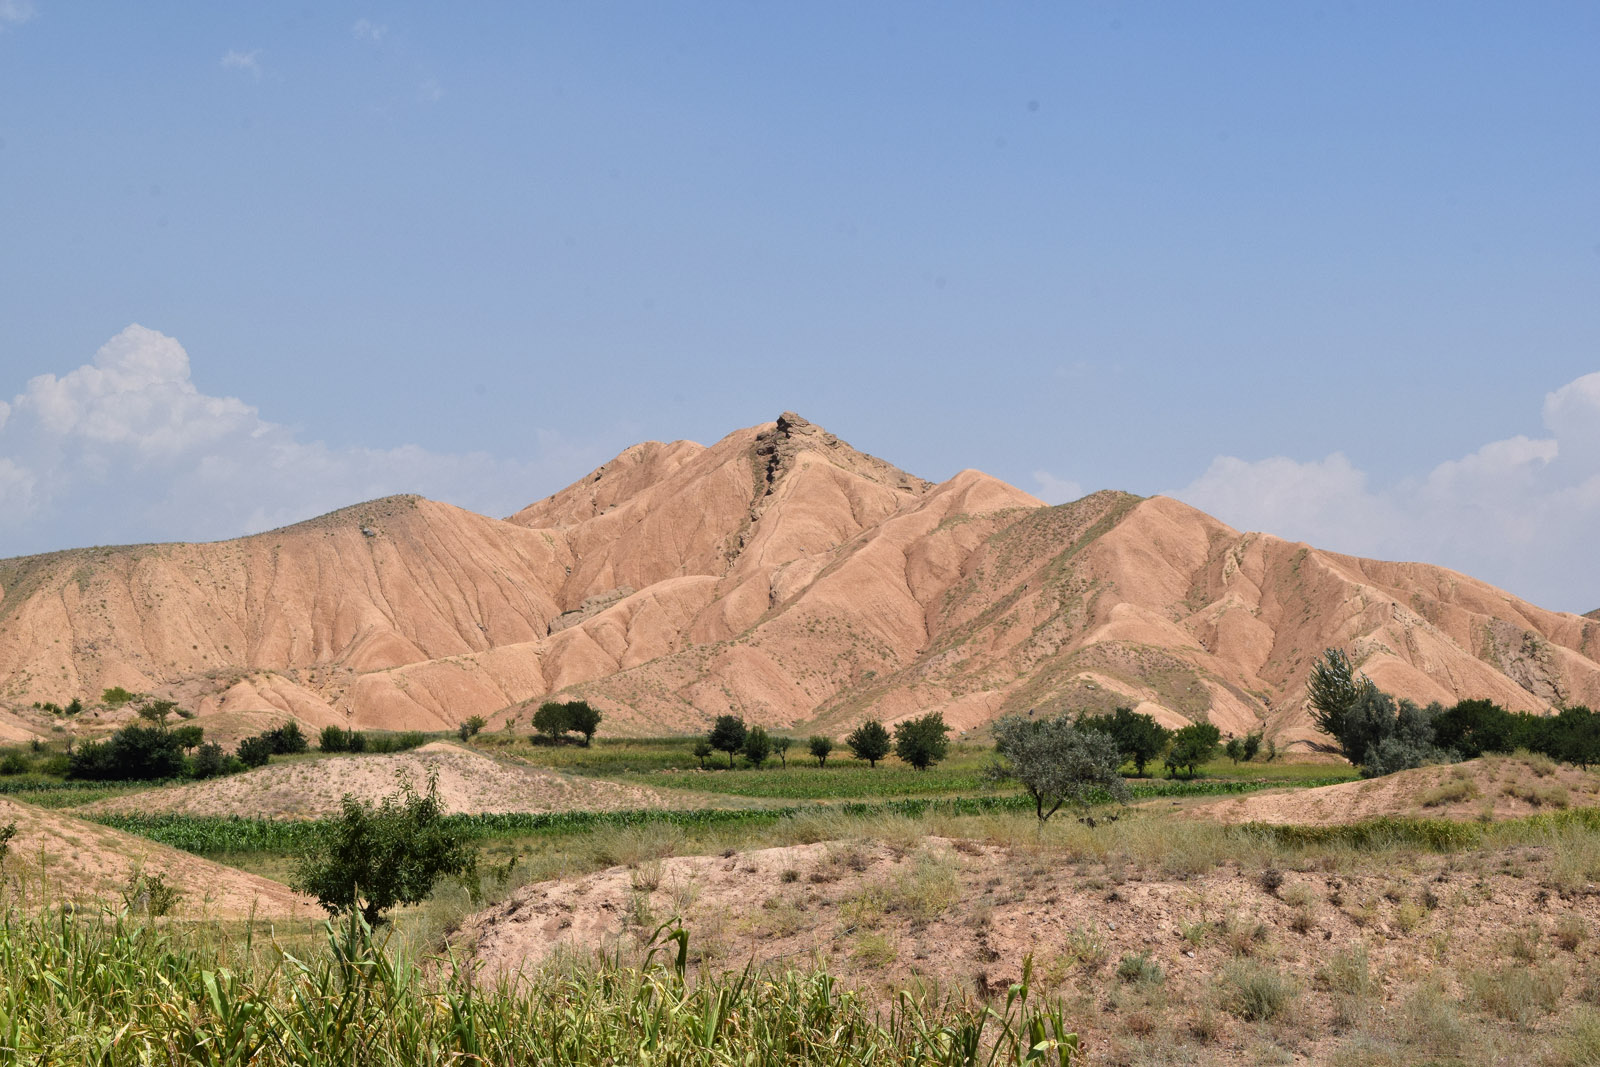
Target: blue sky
[{"x": 1331, "y": 271}]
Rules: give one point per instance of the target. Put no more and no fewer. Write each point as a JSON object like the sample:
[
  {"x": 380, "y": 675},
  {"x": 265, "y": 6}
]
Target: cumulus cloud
[
  {"x": 248, "y": 62},
  {"x": 127, "y": 448},
  {"x": 1053, "y": 490},
  {"x": 1521, "y": 513}
]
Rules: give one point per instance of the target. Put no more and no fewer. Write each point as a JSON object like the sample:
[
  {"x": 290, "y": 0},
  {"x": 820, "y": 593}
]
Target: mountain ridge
[{"x": 777, "y": 573}]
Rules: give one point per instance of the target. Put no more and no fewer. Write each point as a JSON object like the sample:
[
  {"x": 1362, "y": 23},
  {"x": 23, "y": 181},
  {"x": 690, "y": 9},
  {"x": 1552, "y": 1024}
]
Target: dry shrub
[
  {"x": 1449, "y": 792},
  {"x": 1571, "y": 931},
  {"x": 1517, "y": 994},
  {"x": 1255, "y": 992}
]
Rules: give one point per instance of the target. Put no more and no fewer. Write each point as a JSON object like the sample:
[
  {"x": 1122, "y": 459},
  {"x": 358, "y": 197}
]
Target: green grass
[{"x": 106, "y": 990}]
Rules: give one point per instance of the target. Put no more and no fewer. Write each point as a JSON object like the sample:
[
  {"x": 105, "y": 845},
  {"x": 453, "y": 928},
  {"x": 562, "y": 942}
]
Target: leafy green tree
[
  {"x": 727, "y": 735},
  {"x": 188, "y": 736},
  {"x": 820, "y": 747},
  {"x": 780, "y": 748},
  {"x": 583, "y": 718},
  {"x": 370, "y": 859},
  {"x": 552, "y": 719},
  {"x": 1334, "y": 690},
  {"x": 1139, "y": 737},
  {"x": 1577, "y": 736},
  {"x": 702, "y": 749},
  {"x": 156, "y": 712},
  {"x": 334, "y": 739},
  {"x": 1234, "y": 750},
  {"x": 1250, "y": 745},
  {"x": 869, "y": 741},
  {"x": 1471, "y": 728},
  {"x": 1191, "y": 746},
  {"x": 757, "y": 746},
  {"x": 255, "y": 751},
  {"x": 1057, "y": 762},
  {"x": 923, "y": 741},
  {"x": 471, "y": 728},
  {"x": 209, "y": 761}
]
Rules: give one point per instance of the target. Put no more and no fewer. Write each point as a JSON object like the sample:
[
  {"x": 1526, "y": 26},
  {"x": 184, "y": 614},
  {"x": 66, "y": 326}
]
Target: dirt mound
[
  {"x": 778, "y": 574},
  {"x": 1500, "y": 787},
  {"x": 55, "y": 858},
  {"x": 468, "y": 784}
]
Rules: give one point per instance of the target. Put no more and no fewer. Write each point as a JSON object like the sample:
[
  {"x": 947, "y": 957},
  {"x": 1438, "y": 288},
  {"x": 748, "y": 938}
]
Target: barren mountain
[{"x": 779, "y": 574}]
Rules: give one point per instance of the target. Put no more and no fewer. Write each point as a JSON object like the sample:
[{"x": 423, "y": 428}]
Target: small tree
[
  {"x": 156, "y": 712},
  {"x": 552, "y": 719},
  {"x": 869, "y": 741},
  {"x": 471, "y": 728},
  {"x": 757, "y": 746},
  {"x": 187, "y": 737},
  {"x": 820, "y": 747},
  {"x": 1234, "y": 750},
  {"x": 922, "y": 742},
  {"x": 727, "y": 735},
  {"x": 286, "y": 740},
  {"x": 583, "y": 718},
  {"x": 371, "y": 859},
  {"x": 702, "y": 749},
  {"x": 1192, "y": 746},
  {"x": 1251, "y": 745},
  {"x": 780, "y": 748},
  {"x": 1333, "y": 691},
  {"x": 1057, "y": 762},
  {"x": 209, "y": 760},
  {"x": 1139, "y": 737}
]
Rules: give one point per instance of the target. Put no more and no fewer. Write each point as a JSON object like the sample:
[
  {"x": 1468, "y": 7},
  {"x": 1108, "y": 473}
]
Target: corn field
[{"x": 110, "y": 990}]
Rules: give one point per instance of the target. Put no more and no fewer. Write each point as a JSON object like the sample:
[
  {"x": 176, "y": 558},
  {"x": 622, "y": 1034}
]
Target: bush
[
  {"x": 188, "y": 736},
  {"x": 133, "y": 753},
  {"x": 820, "y": 747},
  {"x": 922, "y": 742},
  {"x": 401, "y": 742},
  {"x": 334, "y": 739},
  {"x": 116, "y": 696},
  {"x": 370, "y": 859},
  {"x": 471, "y": 728},
  {"x": 209, "y": 761},
  {"x": 255, "y": 751},
  {"x": 1254, "y": 992},
  {"x": 869, "y": 741},
  {"x": 13, "y": 762},
  {"x": 727, "y": 735},
  {"x": 286, "y": 740},
  {"x": 1057, "y": 762}
]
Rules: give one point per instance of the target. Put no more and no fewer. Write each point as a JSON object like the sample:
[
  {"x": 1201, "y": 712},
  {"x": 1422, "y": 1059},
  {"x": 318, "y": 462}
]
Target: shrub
[
  {"x": 287, "y": 740},
  {"x": 869, "y": 741},
  {"x": 255, "y": 751},
  {"x": 1141, "y": 969},
  {"x": 208, "y": 760},
  {"x": 757, "y": 746},
  {"x": 471, "y": 728},
  {"x": 370, "y": 859},
  {"x": 334, "y": 739},
  {"x": 1057, "y": 762},
  {"x": 116, "y": 696},
  {"x": 922, "y": 742},
  {"x": 727, "y": 735},
  {"x": 13, "y": 762},
  {"x": 820, "y": 747},
  {"x": 1254, "y": 992},
  {"x": 133, "y": 753},
  {"x": 188, "y": 737}
]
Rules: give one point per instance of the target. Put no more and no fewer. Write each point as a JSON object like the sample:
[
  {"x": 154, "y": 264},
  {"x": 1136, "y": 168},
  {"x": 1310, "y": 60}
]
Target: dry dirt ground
[
  {"x": 469, "y": 783},
  {"x": 1394, "y": 959},
  {"x": 55, "y": 858},
  {"x": 1496, "y": 787}
]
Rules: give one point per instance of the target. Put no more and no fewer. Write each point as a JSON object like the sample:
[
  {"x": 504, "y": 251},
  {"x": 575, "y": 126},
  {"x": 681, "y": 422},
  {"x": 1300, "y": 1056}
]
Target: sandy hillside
[
  {"x": 468, "y": 784},
  {"x": 56, "y": 858},
  {"x": 1502, "y": 787},
  {"x": 958, "y": 918},
  {"x": 778, "y": 574}
]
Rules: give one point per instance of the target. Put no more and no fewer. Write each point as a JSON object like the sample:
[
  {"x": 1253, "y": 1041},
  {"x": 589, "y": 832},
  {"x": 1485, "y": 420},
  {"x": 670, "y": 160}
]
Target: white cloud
[
  {"x": 126, "y": 448},
  {"x": 1521, "y": 513},
  {"x": 248, "y": 62},
  {"x": 1053, "y": 490},
  {"x": 367, "y": 30},
  {"x": 15, "y": 12}
]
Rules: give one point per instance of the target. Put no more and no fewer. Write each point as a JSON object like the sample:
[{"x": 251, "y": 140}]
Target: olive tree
[{"x": 1057, "y": 762}]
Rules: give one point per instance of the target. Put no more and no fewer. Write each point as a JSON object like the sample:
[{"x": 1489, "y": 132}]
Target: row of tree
[
  {"x": 152, "y": 750},
  {"x": 1382, "y": 735},
  {"x": 921, "y": 742}
]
